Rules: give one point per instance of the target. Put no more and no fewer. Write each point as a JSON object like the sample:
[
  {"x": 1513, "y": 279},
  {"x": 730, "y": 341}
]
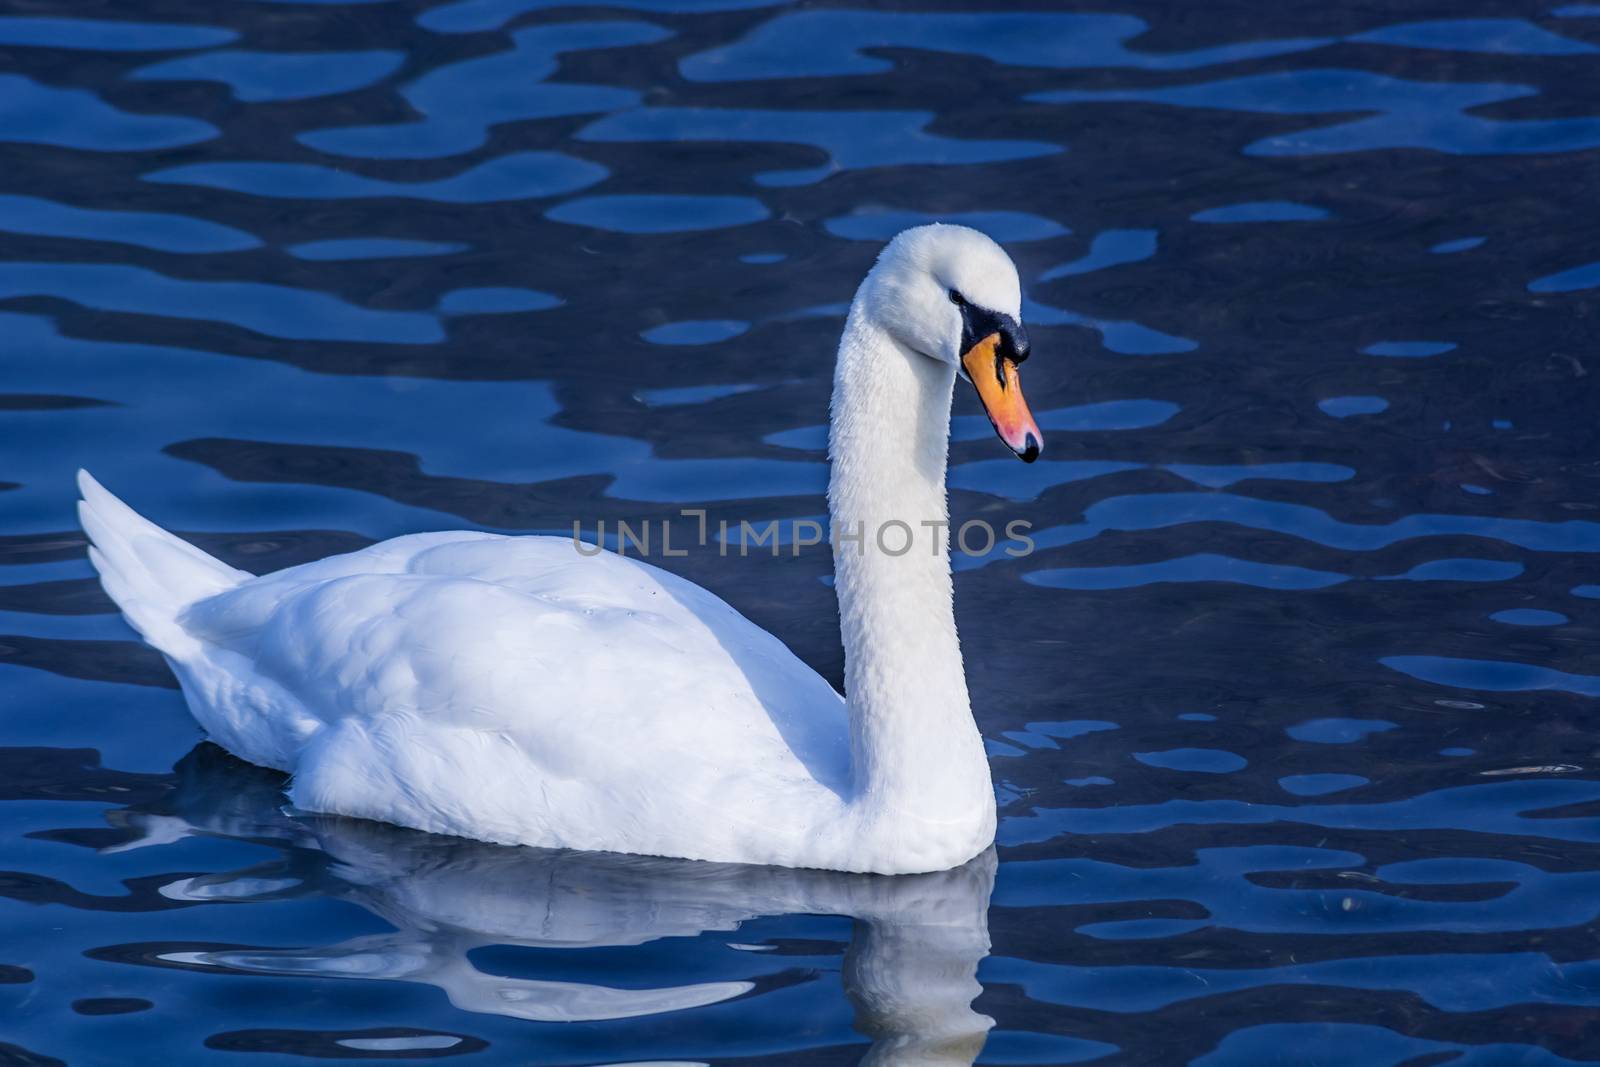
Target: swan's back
[{"x": 461, "y": 627}]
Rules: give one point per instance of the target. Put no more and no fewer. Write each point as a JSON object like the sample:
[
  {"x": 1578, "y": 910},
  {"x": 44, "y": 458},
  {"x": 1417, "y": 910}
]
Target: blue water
[{"x": 1291, "y": 708}]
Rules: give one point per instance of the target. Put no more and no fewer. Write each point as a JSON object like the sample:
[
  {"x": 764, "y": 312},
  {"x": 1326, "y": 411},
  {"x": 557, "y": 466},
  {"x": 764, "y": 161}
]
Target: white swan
[{"x": 514, "y": 690}]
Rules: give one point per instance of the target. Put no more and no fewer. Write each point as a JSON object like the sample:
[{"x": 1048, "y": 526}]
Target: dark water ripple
[{"x": 1291, "y": 710}]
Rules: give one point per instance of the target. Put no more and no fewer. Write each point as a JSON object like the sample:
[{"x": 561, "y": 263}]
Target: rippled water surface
[{"x": 1291, "y": 711}]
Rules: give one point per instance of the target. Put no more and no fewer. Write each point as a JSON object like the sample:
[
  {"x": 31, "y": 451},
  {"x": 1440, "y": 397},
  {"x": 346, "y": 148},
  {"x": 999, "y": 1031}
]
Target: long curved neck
[{"x": 915, "y": 747}]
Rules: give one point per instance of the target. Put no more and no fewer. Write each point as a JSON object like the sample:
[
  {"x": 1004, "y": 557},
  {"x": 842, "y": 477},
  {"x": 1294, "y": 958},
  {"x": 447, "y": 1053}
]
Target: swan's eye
[{"x": 956, "y": 298}]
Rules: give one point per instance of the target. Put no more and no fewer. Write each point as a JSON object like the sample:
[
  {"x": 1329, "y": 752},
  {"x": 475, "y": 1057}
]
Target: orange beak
[{"x": 1001, "y": 392}]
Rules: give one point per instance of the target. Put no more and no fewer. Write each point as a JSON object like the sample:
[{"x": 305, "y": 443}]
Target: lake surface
[{"x": 1292, "y": 709}]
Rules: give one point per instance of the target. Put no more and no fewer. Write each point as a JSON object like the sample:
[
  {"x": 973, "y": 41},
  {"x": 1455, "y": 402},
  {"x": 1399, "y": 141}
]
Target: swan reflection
[{"x": 910, "y": 970}]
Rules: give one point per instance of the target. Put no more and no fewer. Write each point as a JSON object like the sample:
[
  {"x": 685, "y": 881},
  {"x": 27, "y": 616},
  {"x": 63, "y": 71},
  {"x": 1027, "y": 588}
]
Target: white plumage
[{"x": 515, "y": 690}]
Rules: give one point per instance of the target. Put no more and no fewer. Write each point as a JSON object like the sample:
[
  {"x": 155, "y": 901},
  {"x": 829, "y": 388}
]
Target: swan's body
[{"x": 516, "y": 690}]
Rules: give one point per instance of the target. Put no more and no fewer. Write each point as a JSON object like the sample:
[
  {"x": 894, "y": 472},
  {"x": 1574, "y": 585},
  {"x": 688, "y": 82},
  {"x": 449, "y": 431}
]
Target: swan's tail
[{"x": 151, "y": 574}]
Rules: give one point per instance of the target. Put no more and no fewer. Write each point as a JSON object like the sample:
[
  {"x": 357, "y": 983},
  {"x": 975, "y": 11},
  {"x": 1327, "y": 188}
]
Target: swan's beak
[{"x": 994, "y": 373}]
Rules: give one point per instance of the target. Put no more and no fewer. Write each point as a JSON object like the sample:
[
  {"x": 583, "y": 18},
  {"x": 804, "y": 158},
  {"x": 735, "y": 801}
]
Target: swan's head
[{"x": 952, "y": 294}]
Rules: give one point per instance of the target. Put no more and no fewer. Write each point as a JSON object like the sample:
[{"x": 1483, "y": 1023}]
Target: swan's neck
[{"x": 915, "y": 748}]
